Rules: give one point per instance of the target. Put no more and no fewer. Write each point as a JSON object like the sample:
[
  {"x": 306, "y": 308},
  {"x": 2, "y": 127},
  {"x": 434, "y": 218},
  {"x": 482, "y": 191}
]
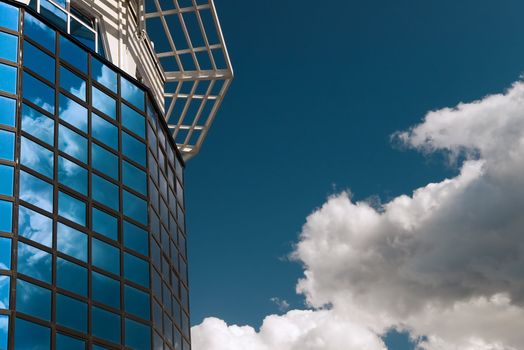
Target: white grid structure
[{"x": 190, "y": 46}]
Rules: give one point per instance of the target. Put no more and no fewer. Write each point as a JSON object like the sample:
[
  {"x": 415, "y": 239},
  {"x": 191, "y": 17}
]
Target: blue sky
[{"x": 319, "y": 89}]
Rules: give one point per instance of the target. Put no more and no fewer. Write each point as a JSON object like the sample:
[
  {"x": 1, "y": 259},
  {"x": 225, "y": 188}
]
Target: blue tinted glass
[
  {"x": 39, "y": 62},
  {"x": 104, "y": 131},
  {"x": 71, "y": 313},
  {"x": 73, "y": 113},
  {"x": 133, "y": 121},
  {"x": 72, "y": 175},
  {"x": 8, "y": 16},
  {"x": 105, "y": 161},
  {"x": 34, "y": 262},
  {"x": 82, "y": 33},
  {"x": 4, "y": 320},
  {"x": 135, "y": 207},
  {"x": 39, "y": 93},
  {"x": 104, "y": 75},
  {"x": 35, "y": 226},
  {"x": 72, "y": 83},
  {"x": 7, "y": 140},
  {"x": 132, "y": 93},
  {"x": 105, "y": 192},
  {"x": 8, "y": 78},
  {"x": 106, "y": 290},
  {"x": 135, "y": 238},
  {"x": 7, "y": 110},
  {"x": 103, "y": 102},
  {"x": 36, "y": 191},
  {"x": 72, "y": 144},
  {"x": 71, "y": 242},
  {"x": 40, "y": 338},
  {"x": 6, "y": 185},
  {"x": 106, "y": 256},
  {"x": 71, "y": 208},
  {"x": 73, "y": 54},
  {"x": 105, "y": 325},
  {"x": 133, "y": 149},
  {"x": 71, "y": 277},
  {"x": 33, "y": 300},
  {"x": 53, "y": 14},
  {"x": 6, "y": 216},
  {"x": 136, "y": 270},
  {"x": 5, "y": 283},
  {"x": 37, "y": 124},
  {"x": 134, "y": 178},
  {"x": 36, "y": 157},
  {"x": 9, "y": 45},
  {"x": 5, "y": 253},
  {"x": 39, "y": 32},
  {"x": 138, "y": 336},
  {"x": 105, "y": 224},
  {"x": 136, "y": 302},
  {"x": 63, "y": 342}
]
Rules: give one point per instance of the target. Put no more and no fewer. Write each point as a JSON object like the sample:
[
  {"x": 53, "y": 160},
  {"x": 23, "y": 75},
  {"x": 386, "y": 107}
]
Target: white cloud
[{"x": 446, "y": 262}]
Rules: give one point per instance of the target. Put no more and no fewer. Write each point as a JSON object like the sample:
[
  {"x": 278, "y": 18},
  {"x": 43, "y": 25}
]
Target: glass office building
[{"x": 92, "y": 218}]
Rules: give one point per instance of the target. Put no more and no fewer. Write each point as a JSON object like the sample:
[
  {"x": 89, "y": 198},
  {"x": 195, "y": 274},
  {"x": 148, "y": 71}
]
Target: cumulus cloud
[{"x": 445, "y": 263}]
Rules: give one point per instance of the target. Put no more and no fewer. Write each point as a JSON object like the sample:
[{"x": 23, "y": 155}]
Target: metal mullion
[
  {"x": 186, "y": 107},
  {"x": 204, "y": 34},
  {"x": 37, "y": 45},
  {"x": 168, "y": 34},
  {"x": 37, "y": 108},
  {"x": 131, "y": 161},
  {"x": 200, "y": 110},
  {"x": 104, "y": 88},
  {"x": 72, "y": 97},
  {"x": 9, "y": 31},
  {"x": 186, "y": 34}
]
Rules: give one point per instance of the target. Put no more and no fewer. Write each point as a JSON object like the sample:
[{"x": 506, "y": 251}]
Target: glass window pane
[
  {"x": 33, "y": 300},
  {"x": 133, "y": 149},
  {"x": 82, "y": 33},
  {"x": 104, "y": 75},
  {"x": 9, "y": 45},
  {"x": 40, "y": 336},
  {"x": 72, "y": 83},
  {"x": 105, "y": 224},
  {"x": 71, "y": 242},
  {"x": 106, "y": 290},
  {"x": 134, "y": 178},
  {"x": 64, "y": 342},
  {"x": 133, "y": 120},
  {"x": 39, "y": 93},
  {"x": 71, "y": 277},
  {"x": 104, "y": 103},
  {"x": 53, "y": 14},
  {"x": 73, "y": 54},
  {"x": 71, "y": 313},
  {"x": 71, "y": 208},
  {"x": 39, "y": 62},
  {"x": 34, "y": 262},
  {"x": 135, "y": 207},
  {"x": 7, "y": 110},
  {"x": 72, "y": 144},
  {"x": 5, "y": 283},
  {"x": 136, "y": 270},
  {"x": 132, "y": 93},
  {"x": 6, "y": 216},
  {"x": 6, "y": 185},
  {"x": 36, "y": 191},
  {"x": 105, "y": 192},
  {"x": 104, "y": 131},
  {"x": 72, "y": 175},
  {"x": 136, "y": 302},
  {"x": 105, "y": 325},
  {"x": 135, "y": 238},
  {"x": 73, "y": 113},
  {"x": 106, "y": 257},
  {"x": 39, "y": 32},
  {"x": 5, "y": 253},
  {"x": 105, "y": 161},
  {"x": 7, "y": 140},
  {"x": 38, "y": 125},
  {"x": 35, "y": 226},
  {"x": 138, "y": 336},
  {"x": 8, "y": 16},
  {"x": 8, "y": 78},
  {"x": 36, "y": 157}
]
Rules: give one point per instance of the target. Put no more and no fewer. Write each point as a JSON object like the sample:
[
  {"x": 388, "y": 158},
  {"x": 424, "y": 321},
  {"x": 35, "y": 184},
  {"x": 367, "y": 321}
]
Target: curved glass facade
[{"x": 92, "y": 232}]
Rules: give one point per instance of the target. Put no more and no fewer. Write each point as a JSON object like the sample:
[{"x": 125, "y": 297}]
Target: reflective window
[
  {"x": 34, "y": 262},
  {"x": 6, "y": 216},
  {"x": 72, "y": 144},
  {"x": 103, "y": 74},
  {"x": 168, "y": 328},
  {"x": 9, "y": 45},
  {"x": 7, "y": 140},
  {"x": 33, "y": 300},
  {"x": 40, "y": 338},
  {"x": 133, "y": 120},
  {"x": 7, "y": 110},
  {"x": 8, "y": 78},
  {"x": 105, "y": 256},
  {"x": 35, "y": 226},
  {"x": 135, "y": 238},
  {"x": 71, "y": 313},
  {"x": 51, "y": 13},
  {"x": 72, "y": 175},
  {"x": 105, "y": 325},
  {"x": 134, "y": 178},
  {"x": 64, "y": 342},
  {"x": 104, "y": 131},
  {"x": 39, "y": 62},
  {"x": 38, "y": 125},
  {"x": 71, "y": 208},
  {"x": 136, "y": 270},
  {"x": 105, "y": 192},
  {"x": 71, "y": 277},
  {"x": 105, "y": 224},
  {"x": 5, "y": 253},
  {"x": 73, "y": 54},
  {"x": 36, "y": 157},
  {"x": 39, "y": 93},
  {"x": 135, "y": 207},
  {"x": 105, "y": 290},
  {"x": 136, "y": 302},
  {"x": 39, "y": 32},
  {"x": 104, "y": 161},
  {"x": 4, "y": 320},
  {"x": 133, "y": 149},
  {"x": 71, "y": 242},
  {"x": 73, "y": 113},
  {"x": 103, "y": 102},
  {"x": 8, "y": 16},
  {"x": 132, "y": 93},
  {"x": 138, "y": 336},
  {"x": 72, "y": 83},
  {"x": 5, "y": 283},
  {"x": 6, "y": 185},
  {"x": 36, "y": 191}
]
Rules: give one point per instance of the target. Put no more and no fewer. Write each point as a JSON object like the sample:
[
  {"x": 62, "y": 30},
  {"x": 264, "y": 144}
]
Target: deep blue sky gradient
[{"x": 319, "y": 89}]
